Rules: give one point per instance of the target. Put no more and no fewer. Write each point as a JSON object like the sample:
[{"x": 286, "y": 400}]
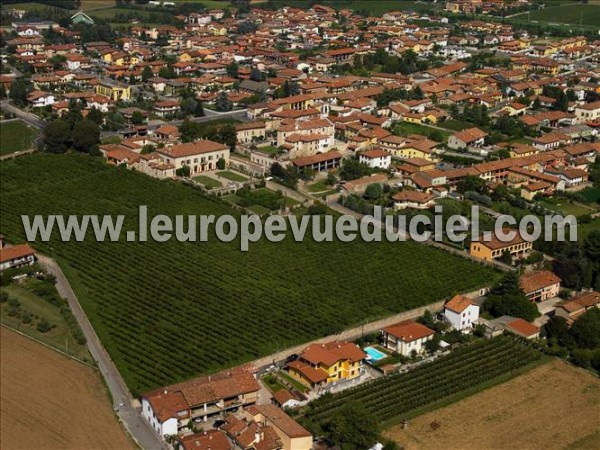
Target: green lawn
[
  {"x": 15, "y": 136},
  {"x": 319, "y": 186},
  {"x": 59, "y": 337},
  {"x": 569, "y": 12},
  {"x": 272, "y": 383},
  {"x": 169, "y": 311},
  {"x": 232, "y": 176},
  {"x": 270, "y": 150},
  {"x": 564, "y": 207},
  {"x": 406, "y": 128},
  {"x": 209, "y": 182},
  {"x": 374, "y": 7},
  {"x": 455, "y": 125},
  {"x": 259, "y": 210},
  {"x": 591, "y": 194}
]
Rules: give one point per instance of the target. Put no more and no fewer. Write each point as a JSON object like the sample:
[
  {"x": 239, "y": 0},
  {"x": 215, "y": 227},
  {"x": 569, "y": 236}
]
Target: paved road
[
  {"x": 30, "y": 118},
  {"x": 128, "y": 414}
]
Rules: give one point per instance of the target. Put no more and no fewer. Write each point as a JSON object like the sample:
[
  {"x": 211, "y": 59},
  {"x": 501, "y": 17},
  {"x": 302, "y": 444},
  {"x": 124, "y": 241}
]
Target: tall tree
[
  {"x": 57, "y": 136},
  {"x": 86, "y": 136}
]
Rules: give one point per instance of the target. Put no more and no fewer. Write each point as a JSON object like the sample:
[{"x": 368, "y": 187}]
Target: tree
[
  {"x": 507, "y": 298},
  {"x": 221, "y": 164},
  {"x": 183, "y": 171},
  {"x": 199, "y": 110},
  {"x": 471, "y": 183},
  {"x": 352, "y": 427},
  {"x": 557, "y": 329},
  {"x": 86, "y": 136},
  {"x": 137, "y": 118},
  {"x": 147, "y": 74},
  {"x": 232, "y": 70},
  {"x": 586, "y": 329},
  {"x": 222, "y": 103},
  {"x": 256, "y": 74},
  {"x": 331, "y": 179},
  {"x": 57, "y": 136},
  {"x": 373, "y": 191},
  {"x": 352, "y": 169},
  {"x": 95, "y": 115},
  {"x": 18, "y": 92}
]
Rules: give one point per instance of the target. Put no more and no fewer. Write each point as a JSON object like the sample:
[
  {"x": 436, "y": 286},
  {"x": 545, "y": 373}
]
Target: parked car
[
  {"x": 218, "y": 423},
  {"x": 291, "y": 358}
]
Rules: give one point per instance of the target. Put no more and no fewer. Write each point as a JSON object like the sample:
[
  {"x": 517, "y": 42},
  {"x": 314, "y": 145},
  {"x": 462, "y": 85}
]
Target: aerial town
[{"x": 297, "y": 108}]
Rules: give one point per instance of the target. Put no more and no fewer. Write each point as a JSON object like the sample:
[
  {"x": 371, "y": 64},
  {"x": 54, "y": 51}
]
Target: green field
[
  {"x": 59, "y": 337},
  {"x": 232, "y": 176},
  {"x": 15, "y": 136},
  {"x": 465, "y": 371},
  {"x": 406, "y": 128},
  {"x": 173, "y": 310},
  {"x": 209, "y": 182},
  {"x": 375, "y": 7},
  {"x": 571, "y": 13}
]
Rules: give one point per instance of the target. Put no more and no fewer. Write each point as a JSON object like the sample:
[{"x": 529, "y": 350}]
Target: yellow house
[
  {"x": 113, "y": 90},
  {"x": 325, "y": 363},
  {"x": 494, "y": 248}
]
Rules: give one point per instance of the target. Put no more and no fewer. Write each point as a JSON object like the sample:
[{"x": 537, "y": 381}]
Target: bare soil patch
[
  {"x": 552, "y": 406},
  {"x": 48, "y": 401}
]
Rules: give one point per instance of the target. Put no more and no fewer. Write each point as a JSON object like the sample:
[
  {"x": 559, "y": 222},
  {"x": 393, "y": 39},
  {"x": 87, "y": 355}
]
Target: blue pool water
[{"x": 374, "y": 354}]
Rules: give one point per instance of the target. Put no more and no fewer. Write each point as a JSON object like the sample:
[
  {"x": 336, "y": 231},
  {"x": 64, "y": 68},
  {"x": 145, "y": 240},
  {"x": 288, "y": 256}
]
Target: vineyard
[
  {"x": 170, "y": 311},
  {"x": 397, "y": 396}
]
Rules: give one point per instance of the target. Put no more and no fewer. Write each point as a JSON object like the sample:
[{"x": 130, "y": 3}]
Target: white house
[
  {"x": 588, "y": 112},
  {"x": 461, "y": 313},
  {"x": 164, "y": 410},
  {"x": 406, "y": 337},
  {"x": 376, "y": 159},
  {"x": 16, "y": 256},
  {"x": 40, "y": 98},
  {"x": 199, "y": 156},
  {"x": 471, "y": 137}
]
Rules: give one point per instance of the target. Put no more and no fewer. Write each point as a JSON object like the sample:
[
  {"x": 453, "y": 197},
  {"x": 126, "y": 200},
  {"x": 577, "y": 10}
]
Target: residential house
[
  {"x": 293, "y": 436},
  {"x": 170, "y": 408},
  {"x": 412, "y": 199},
  {"x": 471, "y": 137},
  {"x": 14, "y": 256},
  {"x": 407, "y": 337},
  {"x": 540, "y": 286},
  {"x": 376, "y": 158},
  {"x": 249, "y": 132},
  {"x": 199, "y": 156},
  {"x": 461, "y": 313},
  {"x": 325, "y": 363},
  {"x": 574, "y": 307},
  {"x": 494, "y": 247}
]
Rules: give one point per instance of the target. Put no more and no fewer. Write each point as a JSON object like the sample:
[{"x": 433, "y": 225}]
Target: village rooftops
[
  {"x": 211, "y": 388},
  {"x": 470, "y": 135},
  {"x": 207, "y": 440},
  {"x": 192, "y": 148}
]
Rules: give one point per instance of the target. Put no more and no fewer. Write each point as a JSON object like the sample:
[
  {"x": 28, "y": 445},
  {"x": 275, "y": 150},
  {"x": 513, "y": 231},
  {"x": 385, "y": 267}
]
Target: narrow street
[{"x": 123, "y": 402}]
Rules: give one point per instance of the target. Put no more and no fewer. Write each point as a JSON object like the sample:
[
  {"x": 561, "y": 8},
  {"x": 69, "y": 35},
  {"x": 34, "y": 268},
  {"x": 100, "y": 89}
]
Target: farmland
[
  {"x": 172, "y": 310},
  {"x": 15, "y": 136},
  {"x": 569, "y": 13},
  {"x": 374, "y": 7},
  {"x": 466, "y": 370},
  {"x": 49, "y": 401},
  {"x": 509, "y": 415}
]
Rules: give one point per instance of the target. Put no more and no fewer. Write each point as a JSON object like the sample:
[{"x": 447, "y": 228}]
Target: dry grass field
[
  {"x": 48, "y": 401},
  {"x": 552, "y": 406}
]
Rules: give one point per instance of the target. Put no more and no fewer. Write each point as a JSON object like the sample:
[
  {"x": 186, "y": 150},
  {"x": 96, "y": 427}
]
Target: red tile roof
[
  {"x": 409, "y": 331},
  {"x": 15, "y": 252}
]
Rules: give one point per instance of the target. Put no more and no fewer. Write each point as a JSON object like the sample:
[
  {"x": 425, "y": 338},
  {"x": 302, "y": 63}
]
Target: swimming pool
[{"x": 374, "y": 354}]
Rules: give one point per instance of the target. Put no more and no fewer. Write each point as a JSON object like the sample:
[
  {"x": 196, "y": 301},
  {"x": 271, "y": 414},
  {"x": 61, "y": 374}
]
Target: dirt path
[
  {"x": 553, "y": 406},
  {"x": 48, "y": 401}
]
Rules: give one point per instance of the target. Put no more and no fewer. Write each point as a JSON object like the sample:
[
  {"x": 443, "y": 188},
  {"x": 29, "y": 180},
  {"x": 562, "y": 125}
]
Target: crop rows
[
  {"x": 169, "y": 311},
  {"x": 395, "y": 396}
]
